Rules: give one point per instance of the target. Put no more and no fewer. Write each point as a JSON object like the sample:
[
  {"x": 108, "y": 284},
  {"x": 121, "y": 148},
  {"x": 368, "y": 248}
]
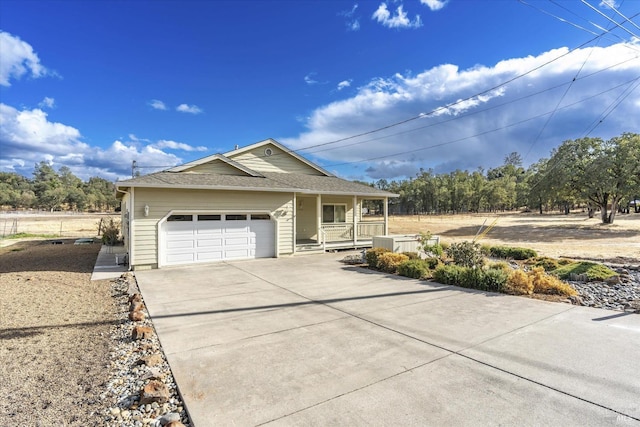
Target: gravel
[{"x": 621, "y": 293}]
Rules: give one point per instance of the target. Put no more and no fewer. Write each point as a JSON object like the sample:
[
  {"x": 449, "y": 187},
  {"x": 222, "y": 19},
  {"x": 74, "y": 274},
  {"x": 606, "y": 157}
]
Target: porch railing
[{"x": 344, "y": 232}]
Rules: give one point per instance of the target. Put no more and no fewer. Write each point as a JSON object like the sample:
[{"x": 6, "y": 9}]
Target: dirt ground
[
  {"x": 54, "y": 335},
  {"x": 571, "y": 236}
]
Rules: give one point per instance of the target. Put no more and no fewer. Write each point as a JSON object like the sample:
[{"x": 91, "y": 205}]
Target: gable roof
[
  {"x": 213, "y": 158},
  {"x": 285, "y": 152},
  {"x": 191, "y": 176}
]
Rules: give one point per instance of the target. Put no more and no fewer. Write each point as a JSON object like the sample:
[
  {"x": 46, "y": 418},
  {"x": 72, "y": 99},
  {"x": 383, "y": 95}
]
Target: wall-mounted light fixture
[{"x": 146, "y": 210}]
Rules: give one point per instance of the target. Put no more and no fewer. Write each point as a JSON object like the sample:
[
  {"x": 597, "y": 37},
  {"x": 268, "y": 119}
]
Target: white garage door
[{"x": 194, "y": 238}]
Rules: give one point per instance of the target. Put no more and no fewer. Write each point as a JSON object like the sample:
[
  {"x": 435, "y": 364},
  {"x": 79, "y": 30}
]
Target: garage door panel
[{"x": 217, "y": 240}]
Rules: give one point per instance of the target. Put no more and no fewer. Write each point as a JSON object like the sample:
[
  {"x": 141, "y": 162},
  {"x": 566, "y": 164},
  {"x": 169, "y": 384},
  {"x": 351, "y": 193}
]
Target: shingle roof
[{"x": 272, "y": 181}]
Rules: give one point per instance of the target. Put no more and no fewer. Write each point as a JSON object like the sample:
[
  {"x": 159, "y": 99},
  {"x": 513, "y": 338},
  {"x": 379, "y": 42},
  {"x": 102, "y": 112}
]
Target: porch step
[{"x": 309, "y": 249}]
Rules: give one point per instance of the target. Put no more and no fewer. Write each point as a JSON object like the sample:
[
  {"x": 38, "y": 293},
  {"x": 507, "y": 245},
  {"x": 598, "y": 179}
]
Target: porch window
[{"x": 334, "y": 213}]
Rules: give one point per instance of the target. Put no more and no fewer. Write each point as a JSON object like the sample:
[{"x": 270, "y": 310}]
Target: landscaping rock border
[{"x": 141, "y": 390}]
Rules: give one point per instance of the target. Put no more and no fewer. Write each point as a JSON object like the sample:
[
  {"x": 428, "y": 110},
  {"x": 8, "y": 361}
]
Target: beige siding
[
  {"x": 279, "y": 161},
  {"x": 216, "y": 167},
  {"x": 163, "y": 201},
  {"x": 306, "y": 226}
]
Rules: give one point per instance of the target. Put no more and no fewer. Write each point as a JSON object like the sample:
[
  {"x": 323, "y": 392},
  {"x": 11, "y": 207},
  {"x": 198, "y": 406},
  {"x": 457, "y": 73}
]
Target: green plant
[
  {"x": 470, "y": 278},
  {"x": 466, "y": 254},
  {"x": 518, "y": 283},
  {"x": 414, "y": 268},
  {"x": 546, "y": 284},
  {"x": 389, "y": 261},
  {"x": 511, "y": 252},
  {"x": 411, "y": 255},
  {"x": 428, "y": 246},
  {"x": 548, "y": 264},
  {"x": 111, "y": 232},
  {"x": 432, "y": 263},
  {"x": 448, "y": 274},
  {"x": 494, "y": 279},
  {"x": 592, "y": 270},
  {"x": 372, "y": 256},
  {"x": 500, "y": 265}
]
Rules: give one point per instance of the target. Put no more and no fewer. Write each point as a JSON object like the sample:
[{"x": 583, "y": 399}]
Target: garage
[{"x": 207, "y": 237}]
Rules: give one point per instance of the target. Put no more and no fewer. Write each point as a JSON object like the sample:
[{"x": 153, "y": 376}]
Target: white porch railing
[{"x": 344, "y": 232}]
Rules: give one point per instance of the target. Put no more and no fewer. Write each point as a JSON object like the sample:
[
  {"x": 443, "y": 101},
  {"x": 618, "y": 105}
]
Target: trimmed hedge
[
  {"x": 492, "y": 280},
  {"x": 414, "y": 268},
  {"x": 512, "y": 253}
]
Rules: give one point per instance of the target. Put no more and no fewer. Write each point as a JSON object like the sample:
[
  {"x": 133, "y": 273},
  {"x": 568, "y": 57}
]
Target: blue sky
[{"x": 94, "y": 85}]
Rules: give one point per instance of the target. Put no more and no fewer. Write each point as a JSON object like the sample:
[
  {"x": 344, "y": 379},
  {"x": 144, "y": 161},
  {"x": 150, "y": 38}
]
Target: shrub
[
  {"x": 591, "y": 270},
  {"x": 445, "y": 246},
  {"x": 414, "y": 268},
  {"x": 500, "y": 265},
  {"x": 389, "y": 261},
  {"x": 448, "y": 274},
  {"x": 546, "y": 284},
  {"x": 429, "y": 248},
  {"x": 548, "y": 264},
  {"x": 493, "y": 280},
  {"x": 470, "y": 278},
  {"x": 372, "y": 256},
  {"x": 466, "y": 254},
  {"x": 432, "y": 263},
  {"x": 485, "y": 249},
  {"x": 518, "y": 283},
  {"x": 512, "y": 253},
  {"x": 111, "y": 232},
  {"x": 412, "y": 255}
]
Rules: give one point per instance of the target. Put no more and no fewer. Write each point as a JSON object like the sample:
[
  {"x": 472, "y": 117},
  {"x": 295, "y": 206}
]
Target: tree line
[
  {"x": 596, "y": 174},
  {"x": 56, "y": 190}
]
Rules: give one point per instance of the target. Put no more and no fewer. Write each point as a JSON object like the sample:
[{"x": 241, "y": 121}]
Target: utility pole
[{"x": 134, "y": 165}]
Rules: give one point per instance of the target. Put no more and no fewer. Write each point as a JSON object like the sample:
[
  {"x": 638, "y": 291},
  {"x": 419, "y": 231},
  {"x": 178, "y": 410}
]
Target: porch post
[
  {"x": 319, "y": 217},
  {"x": 386, "y": 216},
  {"x": 295, "y": 221},
  {"x": 355, "y": 220}
]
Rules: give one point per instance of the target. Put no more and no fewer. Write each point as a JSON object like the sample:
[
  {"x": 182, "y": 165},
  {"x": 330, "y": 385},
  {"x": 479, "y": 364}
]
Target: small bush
[
  {"x": 500, "y": 265},
  {"x": 445, "y": 246},
  {"x": 551, "y": 285},
  {"x": 466, "y": 254},
  {"x": 448, "y": 274},
  {"x": 518, "y": 283},
  {"x": 372, "y": 256},
  {"x": 111, "y": 232},
  {"x": 494, "y": 279},
  {"x": 470, "y": 278},
  {"x": 414, "y": 268},
  {"x": 486, "y": 249},
  {"x": 548, "y": 264},
  {"x": 592, "y": 270},
  {"x": 512, "y": 253},
  {"x": 432, "y": 262},
  {"x": 389, "y": 261},
  {"x": 412, "y": 255}
]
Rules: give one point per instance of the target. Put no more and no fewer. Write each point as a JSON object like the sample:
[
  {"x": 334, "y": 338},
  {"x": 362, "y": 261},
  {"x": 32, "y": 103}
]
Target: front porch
[{"x": 326, "y": 222}]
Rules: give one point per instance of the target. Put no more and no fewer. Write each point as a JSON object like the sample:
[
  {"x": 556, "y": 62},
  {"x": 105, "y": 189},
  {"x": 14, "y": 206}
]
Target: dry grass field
[
  {"x": 572, "y": 236},
  {"x": 61, "y": 225}
]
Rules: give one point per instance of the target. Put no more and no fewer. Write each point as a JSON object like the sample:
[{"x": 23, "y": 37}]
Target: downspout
[
  {"x": 386, "y": 216},
  {"x": 295, "y": 221},
  {"x": 129, "y": 227},
  {"x": 132, "y": 229}
]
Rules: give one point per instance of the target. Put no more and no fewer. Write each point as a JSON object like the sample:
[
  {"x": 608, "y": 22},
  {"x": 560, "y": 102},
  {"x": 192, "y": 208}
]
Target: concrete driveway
[{"x": 311, "y": 341}]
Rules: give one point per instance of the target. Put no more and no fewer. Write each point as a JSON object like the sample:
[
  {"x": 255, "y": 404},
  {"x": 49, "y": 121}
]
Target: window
[
  {"x": 334, "y": 213},
  {"x": 180, "y": 218},
  {"x": 235, "y": 217},
  {"x": 255, "y": 217},
  {"x": 208, "y": 217}
]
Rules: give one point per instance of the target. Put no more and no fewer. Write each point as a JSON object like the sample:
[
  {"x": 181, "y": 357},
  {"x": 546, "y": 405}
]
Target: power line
[
  {"x": 484, "y": 132},
  {"x": 611, "y": 20}
]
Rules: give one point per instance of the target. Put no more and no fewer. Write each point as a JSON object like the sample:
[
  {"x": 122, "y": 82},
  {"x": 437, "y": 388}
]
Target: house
[{"x": 262, "y": 200}]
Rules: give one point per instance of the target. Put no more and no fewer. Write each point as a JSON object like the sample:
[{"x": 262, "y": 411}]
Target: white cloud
[
  {"x": 47, "y": 102},
  {"x": 157, "y": 104},
  {"x": 435, "y": 4},
  {"x": 398, "y": 20},
  {"x": 352, "y": 22},
  {"x": 173, "y": 145},
  {"x": 344, "y": 84},
  {"x": 191, "y": 109},
  {"x": 28, "y": 137},
  {"x": 477, "y": 130},
  {"x": 609, "y": 4},
  {"x": 18, "y": 59},
  {"x": 310, "y": 80}
]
